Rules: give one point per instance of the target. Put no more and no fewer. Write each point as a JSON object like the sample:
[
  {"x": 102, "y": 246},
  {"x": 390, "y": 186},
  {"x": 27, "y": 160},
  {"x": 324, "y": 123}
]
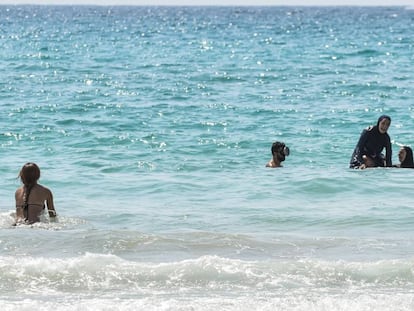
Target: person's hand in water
[
  {"x": 52, "y": 216},
  {"x": 368, "y": 162}
]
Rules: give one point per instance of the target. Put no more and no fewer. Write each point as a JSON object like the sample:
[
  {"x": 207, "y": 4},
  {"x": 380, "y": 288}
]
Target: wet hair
[
  {"x": 384, "y": 116},
  {"x": 408, "y": 161},
  {"x": 279, "y": 148},
  {"x": 29, "y": 174}
]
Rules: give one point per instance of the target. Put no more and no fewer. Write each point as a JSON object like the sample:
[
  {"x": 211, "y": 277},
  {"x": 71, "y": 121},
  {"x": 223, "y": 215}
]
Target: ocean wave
[
  {"x": 182, "y": 302},
  {"x": 100, "y": 273},
  {"x": 107, "y": 282}
]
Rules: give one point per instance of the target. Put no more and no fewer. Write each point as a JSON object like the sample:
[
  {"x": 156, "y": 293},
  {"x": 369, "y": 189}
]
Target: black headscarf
[
  {"x": 408, "y": 161},
  {"x": 384, "y": 116}
]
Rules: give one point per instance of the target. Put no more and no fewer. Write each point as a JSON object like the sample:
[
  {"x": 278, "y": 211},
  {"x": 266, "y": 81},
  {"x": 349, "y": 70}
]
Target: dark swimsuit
[{"x": 371, "y": 143}]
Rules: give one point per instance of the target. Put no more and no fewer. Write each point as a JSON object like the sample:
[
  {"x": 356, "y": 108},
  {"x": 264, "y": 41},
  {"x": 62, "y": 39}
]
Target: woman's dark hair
[
  {"x": 29, "y": 174},
  {"x": 408, "y": 161}
]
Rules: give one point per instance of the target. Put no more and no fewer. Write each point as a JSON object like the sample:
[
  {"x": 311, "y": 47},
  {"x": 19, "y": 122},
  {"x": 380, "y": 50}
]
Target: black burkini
[{"x": 371, "y": 143}]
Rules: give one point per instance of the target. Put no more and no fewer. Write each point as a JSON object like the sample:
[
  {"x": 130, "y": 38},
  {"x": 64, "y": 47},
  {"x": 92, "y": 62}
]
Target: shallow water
[{"x": 152, "y": 126}]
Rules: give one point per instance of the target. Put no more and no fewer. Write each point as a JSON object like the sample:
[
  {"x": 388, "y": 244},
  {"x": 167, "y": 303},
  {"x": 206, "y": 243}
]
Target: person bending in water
[
  {"x": 31, "y": 196},
  {"x": 405, "y": 155},
  {"x": 279, "y": 152},
  {"x": 372, "y": 141}
]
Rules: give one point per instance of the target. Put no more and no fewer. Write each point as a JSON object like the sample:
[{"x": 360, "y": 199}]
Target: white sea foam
[
  {"x": 104, "y": 272},
  {"x": 7, "y": 220},
  {"x": 321, "y": 302},
  {"x": 106, "y": 282}
]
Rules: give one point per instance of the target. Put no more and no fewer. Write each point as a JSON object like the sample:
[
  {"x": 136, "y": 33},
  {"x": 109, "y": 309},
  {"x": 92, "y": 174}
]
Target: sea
[{"x": 152, "y": 126}]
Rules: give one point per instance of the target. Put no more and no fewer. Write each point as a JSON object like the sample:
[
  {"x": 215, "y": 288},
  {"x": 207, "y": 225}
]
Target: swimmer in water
[
  {"x": 32, "y": 198},
  {"x": 279, "y": 152},
  {"x": 372, "y": 141},
  {"x": 405, "y": 156}
]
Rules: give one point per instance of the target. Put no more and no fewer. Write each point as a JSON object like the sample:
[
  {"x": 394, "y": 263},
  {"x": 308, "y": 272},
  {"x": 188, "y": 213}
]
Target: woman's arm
[
  {"x": 19, "y": 208},
  {"x": 357, "y": 159},
  {"x": 388, "y": 152},
  {"x": 50, "y": 205}
]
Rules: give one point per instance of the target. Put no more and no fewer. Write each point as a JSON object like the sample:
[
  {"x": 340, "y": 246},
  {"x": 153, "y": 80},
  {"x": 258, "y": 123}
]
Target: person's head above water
[
  {"x": 383, "y": 123},
  {"x": 280, "y": 150},
  {"x": 29, "y": 174},
  {"x": 406, "y": 157},
  {"x": 279, "y": 153}
]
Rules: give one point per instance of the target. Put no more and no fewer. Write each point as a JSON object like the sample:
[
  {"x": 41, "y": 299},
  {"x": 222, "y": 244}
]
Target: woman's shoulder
[
  {"x": 369, "y": 129},
  {"x": 43, "y": 188},
  {"x": 19, "y": 190}
]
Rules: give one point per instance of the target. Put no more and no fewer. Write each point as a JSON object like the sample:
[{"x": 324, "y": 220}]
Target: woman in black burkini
[{"x": 373, "y": 140}]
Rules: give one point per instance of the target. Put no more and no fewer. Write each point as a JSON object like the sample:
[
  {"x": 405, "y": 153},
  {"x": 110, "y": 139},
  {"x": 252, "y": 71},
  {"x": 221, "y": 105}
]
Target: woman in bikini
[{"x": 32, "y": 198}]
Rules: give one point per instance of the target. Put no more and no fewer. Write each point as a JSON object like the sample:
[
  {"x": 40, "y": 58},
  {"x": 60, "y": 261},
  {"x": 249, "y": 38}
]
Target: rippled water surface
[{"x": 152, "y": 127}]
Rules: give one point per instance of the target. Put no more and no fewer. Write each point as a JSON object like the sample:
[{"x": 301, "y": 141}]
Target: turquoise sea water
[{"x": 152, "y": 127}]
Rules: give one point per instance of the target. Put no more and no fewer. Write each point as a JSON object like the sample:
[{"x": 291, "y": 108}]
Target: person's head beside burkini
[
  {"x": 405, "y": 156},
  {"x": 279, "y": 153}
]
